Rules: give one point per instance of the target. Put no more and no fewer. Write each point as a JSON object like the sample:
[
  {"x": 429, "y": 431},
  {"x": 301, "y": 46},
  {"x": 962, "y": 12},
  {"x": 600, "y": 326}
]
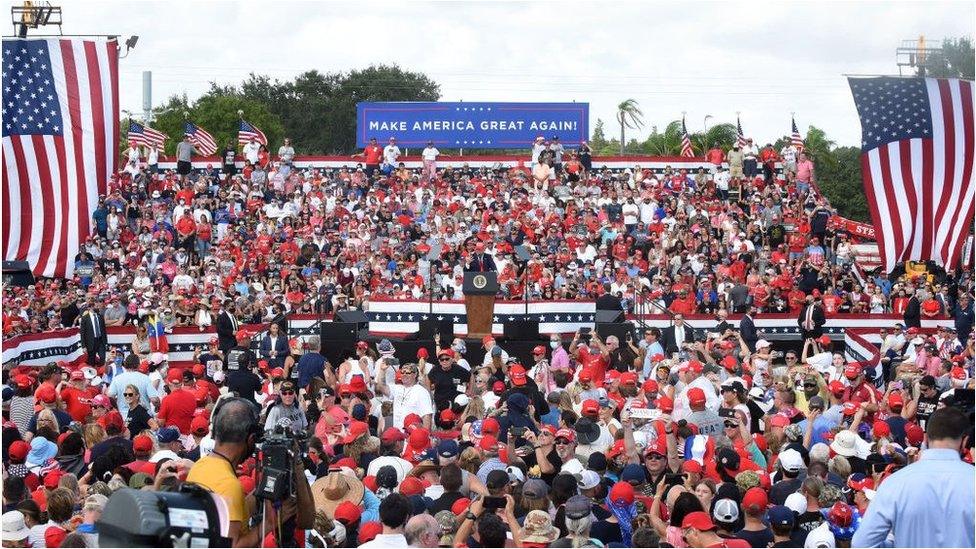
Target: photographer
[{"x": 235, "y": 431}]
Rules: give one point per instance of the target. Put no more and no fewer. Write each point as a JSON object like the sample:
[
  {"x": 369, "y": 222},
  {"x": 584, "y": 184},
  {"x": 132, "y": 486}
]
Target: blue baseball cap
[
  {"x": 448, "y": 449},
  {"x": 167, "y": 434},
  {"x": 633, "y": 472},
  {"x": 780, "y": 515}
]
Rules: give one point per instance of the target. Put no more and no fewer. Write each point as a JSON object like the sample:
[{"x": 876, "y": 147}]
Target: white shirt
[
  {"x": 410, "y": 400},
  {"x": 722, "y": 180},
  {"x": 712, "y": 400},
  {"x": 821, "y": 361},
  {"x": 430, "y": 153},
  {"x": 251, "y": 151},
  {"x": 391, "y": 153},
  {"x": 387, "y": 540},
  {"x": 153, "y": 157}
]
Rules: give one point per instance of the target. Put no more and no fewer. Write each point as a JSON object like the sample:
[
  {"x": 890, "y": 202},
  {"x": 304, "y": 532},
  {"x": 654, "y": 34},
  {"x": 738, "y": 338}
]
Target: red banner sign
[{"x": 855, "y": 228}]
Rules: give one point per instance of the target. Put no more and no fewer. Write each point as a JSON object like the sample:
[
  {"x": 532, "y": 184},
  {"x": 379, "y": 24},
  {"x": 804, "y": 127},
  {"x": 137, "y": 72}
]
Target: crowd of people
[
  {"x": 175, "y": 247},
  {"x": 677, "y": 438}
]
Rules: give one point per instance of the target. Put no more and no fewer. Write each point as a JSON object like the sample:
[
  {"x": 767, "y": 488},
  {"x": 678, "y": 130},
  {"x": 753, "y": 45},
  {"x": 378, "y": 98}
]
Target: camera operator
[
  {"x": 240, "y": 364},
  {"x": 235, "y": 431}
]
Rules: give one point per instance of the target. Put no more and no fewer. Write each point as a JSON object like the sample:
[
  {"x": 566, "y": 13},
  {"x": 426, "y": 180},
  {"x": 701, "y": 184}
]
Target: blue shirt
[
  {"x": 141, "y": 382},
  {"x": 927, "y": 504},
  {"x": 309, "y": 366}
]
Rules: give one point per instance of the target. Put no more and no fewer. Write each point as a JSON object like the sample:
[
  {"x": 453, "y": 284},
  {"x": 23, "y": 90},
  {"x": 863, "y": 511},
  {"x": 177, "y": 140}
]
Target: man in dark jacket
[
  {"x": 227, "y": 326},
  {"x": 93, "y": 337},
  {"x": 522, "y": 384},
  {"x": 913, "y": 311},
  {"x": 811, "y": 319}
]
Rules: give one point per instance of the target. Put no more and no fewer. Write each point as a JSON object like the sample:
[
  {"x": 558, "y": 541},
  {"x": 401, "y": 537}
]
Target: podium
[{"x": 479, "y": 301}]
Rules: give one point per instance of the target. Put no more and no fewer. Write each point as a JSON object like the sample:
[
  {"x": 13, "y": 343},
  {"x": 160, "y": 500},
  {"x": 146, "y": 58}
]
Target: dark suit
[
  {"x": 670, "y": 341},
  {"x": 816, "y": 317},
  {"x": 227, "y": 327},
  {"x": 481, "y": 263},
  {"x": 608, "y": 302},
  {"x": 93, "y": 337},
  {"x": 280, "y": 348},
  {"x": 747, "y": 329},
  {"x": 913, "y": 313}
]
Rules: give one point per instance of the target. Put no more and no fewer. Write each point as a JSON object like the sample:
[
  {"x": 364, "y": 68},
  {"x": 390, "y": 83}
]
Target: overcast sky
[{"x": 763, "y": 59}]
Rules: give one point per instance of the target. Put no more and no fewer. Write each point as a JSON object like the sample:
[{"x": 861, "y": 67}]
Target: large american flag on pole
[
  {"x": 203, "y": 141},
  {"x": 144, "y": 136},
  {"x": 740, "y": 137},
  {"x": 686, "y": 149},
  {"x": 60, "y": 145},
  {"x": 917, "y": 165},
  {"x": 247, "y": 131}
]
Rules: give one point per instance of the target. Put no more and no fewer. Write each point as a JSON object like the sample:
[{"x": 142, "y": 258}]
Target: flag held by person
[
  {"x": 686, "y": 149},
  {"x": 201, "y": 139},
  {"x": 247, "y": 131},
  {"x": 144, "y": 136},
  {"x": 60, "y": 142},
  {"x": 917, "y": 165},
  {"x": 740, "y": 137},
  {"x": 796, "y": 139}
]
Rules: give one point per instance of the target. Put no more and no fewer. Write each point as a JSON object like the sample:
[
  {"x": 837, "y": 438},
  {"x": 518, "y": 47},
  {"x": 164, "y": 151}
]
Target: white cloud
[{"x": 763, "y": 59}]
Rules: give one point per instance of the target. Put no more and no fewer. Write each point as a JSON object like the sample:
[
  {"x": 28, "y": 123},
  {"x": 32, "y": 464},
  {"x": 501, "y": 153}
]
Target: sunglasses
[
  {"x": 127, "y": 395},
  {"x": 731, "y": 425},
  {"x": 655, "y": 457},
  {"x": 788, "y": 357},
  {"x": 444, "y": 359},
  {"x": 562, "y": 442},
  {"x": 809, "y": 385},
  {"x": 409, "y": 372},
  {"x": 287, "y": 392}
]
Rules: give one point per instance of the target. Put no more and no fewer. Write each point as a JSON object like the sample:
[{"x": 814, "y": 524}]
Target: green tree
[
  {"x": 722, "y": 134},
  {"x": 838, "y": 171},
  {"x": 217, "y": 113},
  {"x": 599, "y": 139},
  {"x": 629, "y": 115},
  {"x": 958, "y": 60}
]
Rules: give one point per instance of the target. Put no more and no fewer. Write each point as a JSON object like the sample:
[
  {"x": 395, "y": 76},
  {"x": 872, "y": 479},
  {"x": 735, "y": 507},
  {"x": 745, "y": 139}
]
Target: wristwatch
[{"x": 470, "y": 516}]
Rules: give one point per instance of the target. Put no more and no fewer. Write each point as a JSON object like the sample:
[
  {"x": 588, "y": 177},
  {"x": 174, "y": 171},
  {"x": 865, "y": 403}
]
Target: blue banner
[{"x": 478, "y": 125}]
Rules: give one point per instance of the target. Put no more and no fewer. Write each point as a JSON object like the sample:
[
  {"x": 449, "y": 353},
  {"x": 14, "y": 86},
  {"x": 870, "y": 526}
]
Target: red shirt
[
  {"x": 373, "y": 154},
  {"x": 77, "y": 403},
  {"x": 177, "y": 410}
]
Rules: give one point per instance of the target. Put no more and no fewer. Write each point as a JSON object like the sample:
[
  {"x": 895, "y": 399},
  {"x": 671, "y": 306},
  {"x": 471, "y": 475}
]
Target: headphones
[{"x": 256, "y": 428}]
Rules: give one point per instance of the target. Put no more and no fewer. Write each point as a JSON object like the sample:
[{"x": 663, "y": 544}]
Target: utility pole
[{"x": 147, "y": 96}]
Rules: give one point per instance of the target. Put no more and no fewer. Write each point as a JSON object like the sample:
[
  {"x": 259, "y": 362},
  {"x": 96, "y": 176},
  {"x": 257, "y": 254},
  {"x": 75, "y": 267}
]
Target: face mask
[{"x": 554, "y": 344}]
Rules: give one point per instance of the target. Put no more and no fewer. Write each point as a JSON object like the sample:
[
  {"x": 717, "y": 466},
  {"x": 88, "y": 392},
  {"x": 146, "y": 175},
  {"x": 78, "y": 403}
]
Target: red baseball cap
[
  {"x": 446, "y": 352},
  {"x": 112, "y": 418},
  {"x": 958, "y": 373},
  {"x": 142, "y": 443},
  {"x": 412, "y": 486},
  {"x": 175, "y": 375},
  {"x": 277, "y": 373},
  {"x": 518, "y": 376},
  {"x": 650, "y": 386},
  {"x": 696, "y": 396},
  {"x": 52, "y": 478},
  {"x": 54, "y": 536},
  {"x": 913, "y": 331},
  {"x": 755, "y": 498},
  {"x": 895, "y": 400},
  {"x": 538, "y": 350},
  {"x": 460, "y": 506},
  {"x": 392, "y": 434},
  {"x": 200, "y": 425},
  {"x": 691, "y": 466},
  {"x": 360, "y": 428},
  {"x": 835, "y": 387},
  {"x": 586, "y": 374},
  {"x": 488, "y": 443},
  {"x": 347, "y": 513},
  {"x": 77, "y": 375},
  {"x": 852, "y": 370},
  {"x": 46, "y": 393},
  {"x": 18, "y": 450},
  {"x": 412, "y": 419},
  {"x": 447, "y": 415},
  {"x": 729, "y": 362},
  {"x": 850, "y": 408},
  {"x": 779, "y": 420},
  {"x": 824, "y": 339},
  {"x": 362, "y": 345},
  {"x": 357, "y": 384},
  {"x": 699, "y": 520},
  {"x": 628, "y": 378},
  {"x": 567, "y": 434},
  {"x": 590, "y": 407},
  {"x": 665, "y": 404},
  {"x": 419, "y": 439},
  {"x": 369, "y": 530},
  {"x": 424, "y": 353},
  {"x": 490, "y": 426},
  {"x": 198, "y": 370}
]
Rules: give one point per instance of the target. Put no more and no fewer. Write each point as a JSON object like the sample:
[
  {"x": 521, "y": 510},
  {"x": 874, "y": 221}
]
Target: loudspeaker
[
  {"x": 339, "y": 331},
  {"x": 521, "y": 330},
  {"x": 428, "y": 328},
  {"x": 356, "y": 316},
  {"x": 619, "y": 329},
  {"x": 17, "y": 273},
  {"x": 608, "y": 316}
]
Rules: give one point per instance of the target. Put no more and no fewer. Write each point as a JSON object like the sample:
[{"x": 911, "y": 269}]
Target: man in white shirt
[
  {"x": 391, "y": 153},
  {"x": 722, "y": 179},
  {"x": 537, "y": 148},
  {"x": 430, "y": 160},
  {"x": 251, "y": 151},
  {"x": 789, "y": 154},
  {"x": 408, "y": 398}
]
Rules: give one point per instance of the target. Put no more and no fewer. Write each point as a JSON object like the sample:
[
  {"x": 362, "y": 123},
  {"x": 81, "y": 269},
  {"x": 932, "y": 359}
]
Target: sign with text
[{"x": 478, "y": 125}]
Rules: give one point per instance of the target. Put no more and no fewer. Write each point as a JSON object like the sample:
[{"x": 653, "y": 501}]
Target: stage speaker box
[
  {"x": 603, "y": 317},
  {"x": 428, "y": 328},
  {"x": 339, "y": 331},
  {"x": 619, "y": 329},
  {"x": 521, "y": 330},
  {"x": 17, "y": 273}
]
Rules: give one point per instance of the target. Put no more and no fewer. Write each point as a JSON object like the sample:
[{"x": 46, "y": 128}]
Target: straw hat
[{"x": 335, "y": 488}]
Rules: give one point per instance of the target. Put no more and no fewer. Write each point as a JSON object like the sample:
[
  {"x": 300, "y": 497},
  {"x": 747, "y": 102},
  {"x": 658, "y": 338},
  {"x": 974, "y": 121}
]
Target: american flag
[
  {"x": 60, "y": 143},
  {"x": 740, "y": 139},
  {"x": 203, "y": 141},
  {"x": 796, "y": 139},
  {"x": 247, "y": 131},
  {"x": 917, "y": 163},
  {"x": 144, "y": 136},
  {"x": 686, "y": 149}
]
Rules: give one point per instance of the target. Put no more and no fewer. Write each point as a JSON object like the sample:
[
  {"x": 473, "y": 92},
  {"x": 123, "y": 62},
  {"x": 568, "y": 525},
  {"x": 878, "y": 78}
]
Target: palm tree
[
  {"x": 723, "y": 134},
  {"x": 667, "y": 143},
  {"x": 630, "y": 116}
]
